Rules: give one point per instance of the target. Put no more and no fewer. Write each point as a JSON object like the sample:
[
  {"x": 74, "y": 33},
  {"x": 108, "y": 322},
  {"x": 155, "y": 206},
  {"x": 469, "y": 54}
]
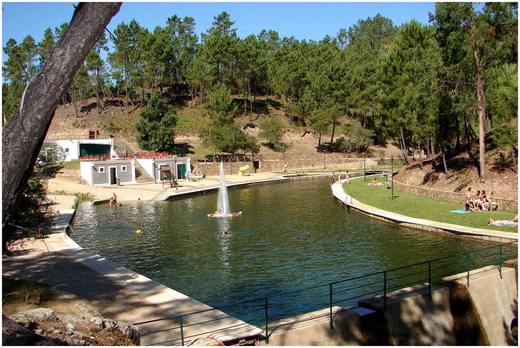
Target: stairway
[
  {"x": 121, "y": 147},
  {"x": 141, "y": 176}
]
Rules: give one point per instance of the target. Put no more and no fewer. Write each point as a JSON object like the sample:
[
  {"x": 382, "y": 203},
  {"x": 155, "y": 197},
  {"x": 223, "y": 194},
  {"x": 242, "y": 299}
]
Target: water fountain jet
[{"x": 223, "y": 210}]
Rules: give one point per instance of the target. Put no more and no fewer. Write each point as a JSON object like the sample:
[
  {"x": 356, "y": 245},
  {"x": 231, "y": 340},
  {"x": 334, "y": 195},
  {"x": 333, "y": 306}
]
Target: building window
[
  {"x": 123, "y": 169},
  {"x": 101, "y": 169}
]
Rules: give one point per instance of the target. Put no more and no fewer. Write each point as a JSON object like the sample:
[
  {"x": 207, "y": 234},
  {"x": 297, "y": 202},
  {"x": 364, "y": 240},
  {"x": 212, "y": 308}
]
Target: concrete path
[
  {"x": 339, "y": 193},
  {"x": 146, "y": 191},
  {"x": 119, "y": 293}
]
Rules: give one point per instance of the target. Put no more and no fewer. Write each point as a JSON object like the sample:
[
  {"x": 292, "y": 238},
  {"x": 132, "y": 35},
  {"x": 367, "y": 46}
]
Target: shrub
[{"x": 272, "y": 130}]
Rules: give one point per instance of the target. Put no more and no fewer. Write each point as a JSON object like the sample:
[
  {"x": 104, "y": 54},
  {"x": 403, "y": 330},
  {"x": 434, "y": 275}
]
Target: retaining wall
[
  {"x": 504, "y": 204},
  {"x": 456, "y": 314},
  {"x": 276, "y": 165}
]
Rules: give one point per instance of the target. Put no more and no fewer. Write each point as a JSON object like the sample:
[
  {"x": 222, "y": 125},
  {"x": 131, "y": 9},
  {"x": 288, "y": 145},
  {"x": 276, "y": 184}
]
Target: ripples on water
[{"x": 290, "y": 236}]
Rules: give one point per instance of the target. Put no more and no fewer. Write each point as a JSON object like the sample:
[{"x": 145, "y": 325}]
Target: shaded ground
[{"x": 23, "y": 295}]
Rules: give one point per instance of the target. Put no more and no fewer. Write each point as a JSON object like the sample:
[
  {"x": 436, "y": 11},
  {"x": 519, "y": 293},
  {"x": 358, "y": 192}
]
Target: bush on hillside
[{"x": 272, "y": 130}]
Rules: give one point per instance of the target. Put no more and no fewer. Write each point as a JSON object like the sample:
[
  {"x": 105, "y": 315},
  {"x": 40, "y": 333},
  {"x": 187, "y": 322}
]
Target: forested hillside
[{"x": 436, "y": 88}]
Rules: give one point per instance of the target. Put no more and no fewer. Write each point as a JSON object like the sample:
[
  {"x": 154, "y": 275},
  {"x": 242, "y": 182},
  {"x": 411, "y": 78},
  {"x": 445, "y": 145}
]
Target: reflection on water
[
  {"x": 224, "y": 240},
  {"x": 290, "y": 236}
]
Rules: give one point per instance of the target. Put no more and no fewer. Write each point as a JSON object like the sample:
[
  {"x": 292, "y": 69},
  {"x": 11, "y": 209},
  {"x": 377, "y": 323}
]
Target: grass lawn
[
  {"x": 74, "y": 164},
  {"x": 423, "y": 207}
]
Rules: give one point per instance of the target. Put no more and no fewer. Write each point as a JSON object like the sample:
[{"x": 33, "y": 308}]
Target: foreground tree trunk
[{"x": 24, "y": 135}]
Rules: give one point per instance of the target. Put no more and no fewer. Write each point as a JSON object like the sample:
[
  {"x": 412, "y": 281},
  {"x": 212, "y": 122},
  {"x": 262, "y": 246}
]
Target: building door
[
  {"x": 112, "y": 176},
  {"x": 181, "y": 170}
]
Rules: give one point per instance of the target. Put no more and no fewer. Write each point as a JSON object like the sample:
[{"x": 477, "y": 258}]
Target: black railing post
[
  {"x": 330, "y": 307},
  {"x": 384, "y": 285},
  {"x": 266, "y": 309},
  {"x": 430, "y": 278},
  {"x": 500, "y": 260},
  {"x": 182, "y": 332}
]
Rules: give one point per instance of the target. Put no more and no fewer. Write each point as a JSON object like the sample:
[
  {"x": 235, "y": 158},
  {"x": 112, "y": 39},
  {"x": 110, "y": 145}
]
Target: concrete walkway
[
  {"x": 119, "y": 293},
  {"x": 429, "y": 225},
  {"x": 149, "y": 191}
]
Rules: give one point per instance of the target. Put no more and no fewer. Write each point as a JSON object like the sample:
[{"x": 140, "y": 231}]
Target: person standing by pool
[{"x": 468, "y": 196}]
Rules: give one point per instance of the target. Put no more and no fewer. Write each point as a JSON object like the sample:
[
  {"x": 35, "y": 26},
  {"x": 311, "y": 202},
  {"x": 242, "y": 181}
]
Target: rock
[
  {"x": 97, "y": 321},
  {"x": 132, "y": 333},
  {"x": 30, "y": 325},
  {"x": 57, "y": 332},
  {"x": 109, "y": 324},
  {"x": 38, "y": 332},
  {"x": 14, "y": 333},
  {"x": 34, "y": 315},
  {"x": 82, "y": 342},
  {"x": 70, "y": 326}
]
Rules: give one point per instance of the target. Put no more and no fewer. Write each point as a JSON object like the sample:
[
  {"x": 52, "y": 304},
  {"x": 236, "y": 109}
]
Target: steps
[{"x": 141, "y": 176}]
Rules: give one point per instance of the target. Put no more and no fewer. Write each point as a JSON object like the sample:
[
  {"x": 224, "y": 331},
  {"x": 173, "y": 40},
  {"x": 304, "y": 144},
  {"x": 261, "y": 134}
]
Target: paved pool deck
[
  {"x": 150, "y": 191},
  {"x": 407, "y": 221}
]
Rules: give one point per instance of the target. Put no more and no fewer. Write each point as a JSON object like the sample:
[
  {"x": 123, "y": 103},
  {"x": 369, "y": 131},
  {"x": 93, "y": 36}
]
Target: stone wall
[
  {"x": 504, "y": 204},
  {"x": 314, "y": 163}
]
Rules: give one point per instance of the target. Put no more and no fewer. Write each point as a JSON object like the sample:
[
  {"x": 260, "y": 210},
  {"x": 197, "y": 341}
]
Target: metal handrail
[{"x": 389, "y": 284}]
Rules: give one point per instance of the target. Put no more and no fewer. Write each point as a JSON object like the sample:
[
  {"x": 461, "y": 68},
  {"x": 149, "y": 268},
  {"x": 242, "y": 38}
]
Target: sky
[{"x": 311, "y": 21}]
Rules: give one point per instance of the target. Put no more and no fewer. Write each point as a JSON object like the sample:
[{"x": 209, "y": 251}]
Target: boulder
[
  {"x": 132, "y": 333},
  {"x": 34, "y": 315}
]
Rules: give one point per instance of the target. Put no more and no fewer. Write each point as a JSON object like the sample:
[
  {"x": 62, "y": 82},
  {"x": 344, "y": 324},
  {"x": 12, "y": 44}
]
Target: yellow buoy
[{"x": 138, "y": 231}]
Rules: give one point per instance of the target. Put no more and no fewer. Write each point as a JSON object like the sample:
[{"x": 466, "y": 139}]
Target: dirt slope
[{"x": 500, "y": 178}]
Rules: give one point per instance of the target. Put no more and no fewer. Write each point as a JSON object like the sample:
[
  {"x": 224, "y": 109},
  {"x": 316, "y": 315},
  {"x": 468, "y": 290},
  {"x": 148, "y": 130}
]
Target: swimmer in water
[{"x": 138, "y": 230}]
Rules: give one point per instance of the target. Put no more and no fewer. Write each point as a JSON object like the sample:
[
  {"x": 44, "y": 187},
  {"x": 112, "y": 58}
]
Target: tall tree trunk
[
  {"x": 99, "y": 100},
  {"x": 481, "y": 111},
  {"x": 333, "y": 131},
  {"x": 444, "y": 162},
  {"x": 126, "y": 91},
  {"x": 319, "y": 141},
  {"x": 25, "y": 133},
  {"x": 468, "y": 136},
  {"x": 403, "y": 146},
  {"x": 420, "y": 155},
  {"x": 251, "y": 100},
  {"x": 515, "y": 165}
]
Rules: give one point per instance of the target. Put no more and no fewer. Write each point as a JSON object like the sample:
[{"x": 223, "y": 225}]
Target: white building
[
  {"x": 108, "y": 172},
  {"x": 73, "y": 149},
  {"x": 157, "y": 167}
]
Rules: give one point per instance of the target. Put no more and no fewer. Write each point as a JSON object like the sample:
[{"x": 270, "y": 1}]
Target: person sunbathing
[
  {"x": 375, "y": 183},
  {"x": 513, "y": 222}
]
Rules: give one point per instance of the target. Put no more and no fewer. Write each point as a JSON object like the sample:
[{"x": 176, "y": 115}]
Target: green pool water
[{"x": 292, "y": 239}]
